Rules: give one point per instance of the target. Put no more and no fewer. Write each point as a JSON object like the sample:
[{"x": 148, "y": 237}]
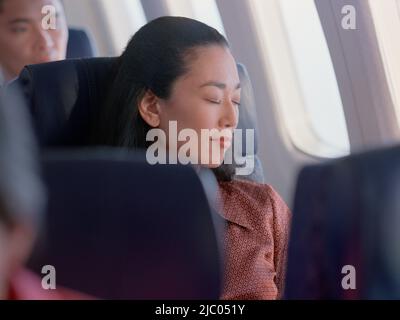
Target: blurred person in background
[{"x": 25, "y": 40}]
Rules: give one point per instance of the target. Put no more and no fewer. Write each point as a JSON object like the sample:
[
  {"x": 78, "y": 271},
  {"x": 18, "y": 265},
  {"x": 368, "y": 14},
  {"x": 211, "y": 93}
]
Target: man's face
[{"x": 24, "y": 40}]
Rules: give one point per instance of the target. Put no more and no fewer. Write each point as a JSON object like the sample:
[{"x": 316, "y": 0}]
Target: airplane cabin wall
[{"x": 360, "y": 71}]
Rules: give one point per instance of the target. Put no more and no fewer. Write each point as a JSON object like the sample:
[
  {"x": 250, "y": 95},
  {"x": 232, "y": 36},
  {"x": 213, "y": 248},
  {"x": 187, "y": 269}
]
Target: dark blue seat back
[
  {"x": 63, "y": 96},
  {"x": 80, "y": 45},
  {"x": 118, "y": 228},
  {"x": 347, "y": 213}
]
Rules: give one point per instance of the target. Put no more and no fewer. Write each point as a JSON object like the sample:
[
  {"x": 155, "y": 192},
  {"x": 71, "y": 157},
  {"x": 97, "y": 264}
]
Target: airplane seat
[
  {"x": 113, "y": 231},
  {"x": 344, "y": 242},
  {"x": 247, "y": 120},
  {"x": 80, "y": 44},
  {"x": 63, "y": 96}
]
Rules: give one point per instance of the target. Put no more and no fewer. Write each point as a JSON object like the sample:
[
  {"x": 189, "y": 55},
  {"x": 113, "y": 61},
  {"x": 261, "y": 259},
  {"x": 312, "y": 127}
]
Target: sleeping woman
[{"x": 180, "y": 70}]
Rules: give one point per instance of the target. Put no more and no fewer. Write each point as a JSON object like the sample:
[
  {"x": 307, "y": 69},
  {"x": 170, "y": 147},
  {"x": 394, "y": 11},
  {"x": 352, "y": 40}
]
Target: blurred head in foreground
[{"x": 21, "y": 193}]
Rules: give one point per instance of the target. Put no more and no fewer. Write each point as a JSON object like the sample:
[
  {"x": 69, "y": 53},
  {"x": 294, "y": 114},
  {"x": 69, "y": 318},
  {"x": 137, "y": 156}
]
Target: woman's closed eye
[
  {"x": 237, "y": 103},
  {"x": 217, "y": 101},
  {"x": 214, "y": 101}
]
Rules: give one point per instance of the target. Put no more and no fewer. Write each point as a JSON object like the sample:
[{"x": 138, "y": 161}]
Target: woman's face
[{"x": 206, "y": 97}]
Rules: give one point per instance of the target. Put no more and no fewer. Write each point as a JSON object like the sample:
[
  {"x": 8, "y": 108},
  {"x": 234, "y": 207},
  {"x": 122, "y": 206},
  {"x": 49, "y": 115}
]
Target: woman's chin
[{"x": 212, "y": 165}]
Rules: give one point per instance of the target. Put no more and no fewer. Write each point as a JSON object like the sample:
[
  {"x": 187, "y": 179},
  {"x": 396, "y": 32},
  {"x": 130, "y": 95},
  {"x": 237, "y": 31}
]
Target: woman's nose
[{"x": 230, "y": 115}]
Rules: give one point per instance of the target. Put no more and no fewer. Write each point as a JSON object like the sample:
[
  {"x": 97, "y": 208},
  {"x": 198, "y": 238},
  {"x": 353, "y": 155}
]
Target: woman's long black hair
[{"x": 156, "y": 56}]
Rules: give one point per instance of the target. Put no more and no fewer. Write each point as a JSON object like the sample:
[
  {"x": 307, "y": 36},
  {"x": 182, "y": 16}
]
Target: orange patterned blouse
[{"x": 256, "y": 240}]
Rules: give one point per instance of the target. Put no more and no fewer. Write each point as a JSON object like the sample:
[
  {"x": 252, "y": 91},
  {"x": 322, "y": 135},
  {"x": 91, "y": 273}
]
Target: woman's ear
[{"x": 149, "y": 109}]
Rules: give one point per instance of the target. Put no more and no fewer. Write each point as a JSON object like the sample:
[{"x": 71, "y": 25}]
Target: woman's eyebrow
[{"x": 219, "y": 85}]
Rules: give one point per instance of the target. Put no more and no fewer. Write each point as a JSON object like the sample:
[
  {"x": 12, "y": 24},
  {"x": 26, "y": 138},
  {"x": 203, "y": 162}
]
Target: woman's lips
[{"x": 224, "y": 142}]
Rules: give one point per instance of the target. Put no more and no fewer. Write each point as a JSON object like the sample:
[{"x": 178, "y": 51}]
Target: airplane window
[
  {"x": 125, "y": 19},
  {"x": 302, "y": 76},
  {"x": 110, "y": 25},
  {"x": 386, "y": 18},
  {"x": 205, "y": 11}
]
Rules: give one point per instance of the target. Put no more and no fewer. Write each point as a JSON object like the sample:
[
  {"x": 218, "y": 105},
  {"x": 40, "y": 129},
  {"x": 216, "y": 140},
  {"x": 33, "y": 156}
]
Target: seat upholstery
[
  {"x": 347, "y": 213},
  {"x": 62, "y": 97},
  {"x": 80, "y": 44},
  {"x": 114, "y": 231}
]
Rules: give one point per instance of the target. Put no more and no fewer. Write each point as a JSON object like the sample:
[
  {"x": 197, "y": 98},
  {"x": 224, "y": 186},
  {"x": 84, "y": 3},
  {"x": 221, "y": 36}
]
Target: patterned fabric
[{"x": 255, "y": 240}]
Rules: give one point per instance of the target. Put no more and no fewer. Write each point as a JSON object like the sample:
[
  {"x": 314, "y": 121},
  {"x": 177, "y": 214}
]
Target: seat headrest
[
  {"x": 247, "y": 112},
  {"x": 114, "y": 231},
  {"x": 63, "y": 95},
  {"x": 80, "y": 44}
]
